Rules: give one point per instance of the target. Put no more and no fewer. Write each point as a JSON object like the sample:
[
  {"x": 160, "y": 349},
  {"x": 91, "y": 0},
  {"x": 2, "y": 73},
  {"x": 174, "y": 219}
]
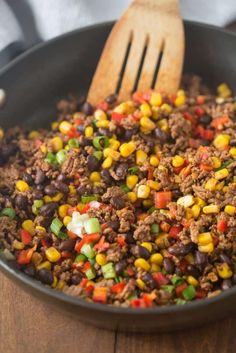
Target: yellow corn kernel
[
  {"x": 109, "y": 152},
  {"x": 224, "y": 271},
  {"x": 140, "y": 283},
  {"x": 200, "y": 202},
  {"x": 230, "y": 210},
  {"x": 204, "y": 238},
  {"x": 180, "y": 100},
  {"x": 156, "y": 259},
  {"x": 161, "y": 240},
  {"x": 40, "y": 230},
  {"x": 196, "y": 211},
  {"x": 18, "y": 245},
  {"x": 153, "y": 185},
  {"x": 180, "y": 92},
  {"x": 99, "y": 114},
  {"x": 126, "y": 149},
  {"x": 125, "y": 108},
  {"x": 225, "y": 188},
  {"x": 57, "y": 143},
  {"x": 142, "y": 263},
  {"x": 232, "y": 151},
  {"x": 224, "y": 91},
  {"x": 61, "y": 284},
  {"x": 141, "y": 157},
  {"x": 166, "y": 108},
  {"x": 221, "y": 141},
  {"x": 155, "y": 112},
  {"x": 221, "y": 174},
  {"x": 54, "y": 125},
  {"x": 157, "y": 148},
  {"x": 57, "y": 197},
  {"x": 103, "y": 124},
  {"x": 177, "y": 161},
  {"x": 154, "y": 161},
  {"x": 88, "y": 131},
  {"x": 55, "y": 280},
  {"x": 206, "y": 248},
  {"x": 107, "y": 163},
  {"x": 163, "y": 124},
  {"x": 47, "y": 199},
  {"x": 147, "y": 203},
  {"x": 190, "y": 258},
  {"x": 132, "y": 196},
  {"x": 95, "y": 176},
  {"x": 131, "y": 181},
  {"x": 156, "y": 99},
  {"x": 216, "y": 162},
  {"x": 101, "y": 259},
  {"x": 66, "y": 220},
  {"x": 52, "y": 254},
  {"x": 211, "y": 184},
  {"x": 36, "y": 258},
  {"x": 219, "y": 186},
  {"x": 145, "y": 109},
  {"x": 211, "y": 209},
  {"x": 147, "y": 123},
  {"x": 147, "y": 245},
  {"x": 1, "y": 133},
  {"x": 143, "y": 191},
  {"x": 188, "y": 213},
  {"x": 193, "y": 281},
  {"x": 29, "y": 226},
  {"x": 62, "y": 211},
  {"x": 45, "y": 264},
  {"x": 186, "y": 201},
  {"x": 65, "y": 127},
  {"x": 114, "y": 144},
  {"x": 22, "y": 186},
  {"x": 33, "y": 134},
  {"x": 43, "y": 149},
  {"x": 72, "y": 190},
  {"x": 155, "y": 268}
]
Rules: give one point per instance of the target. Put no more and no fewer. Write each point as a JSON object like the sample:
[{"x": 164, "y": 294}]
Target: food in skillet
[{"x": 129, "y": 204}]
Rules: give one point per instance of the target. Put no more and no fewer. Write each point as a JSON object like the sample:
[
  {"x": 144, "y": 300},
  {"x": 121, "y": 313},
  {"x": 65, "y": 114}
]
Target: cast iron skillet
[{"x": 37, "y": 79}]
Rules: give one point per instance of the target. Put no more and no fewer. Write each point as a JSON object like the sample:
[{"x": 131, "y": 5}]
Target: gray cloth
[{"x": 23, "y": 23}]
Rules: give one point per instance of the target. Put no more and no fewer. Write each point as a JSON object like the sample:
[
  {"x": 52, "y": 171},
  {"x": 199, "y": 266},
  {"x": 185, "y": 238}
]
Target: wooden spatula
[{"x": 145, "y": 49}]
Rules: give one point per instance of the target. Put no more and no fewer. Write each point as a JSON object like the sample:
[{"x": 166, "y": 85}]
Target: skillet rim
[{"x": 60, "y": 296}]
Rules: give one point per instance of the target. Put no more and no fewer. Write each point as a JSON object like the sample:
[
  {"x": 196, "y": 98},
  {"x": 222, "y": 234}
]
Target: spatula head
[{"x": 145, "y": 49}]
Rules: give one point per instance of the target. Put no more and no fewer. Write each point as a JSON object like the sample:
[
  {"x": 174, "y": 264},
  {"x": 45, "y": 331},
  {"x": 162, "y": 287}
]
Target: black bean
[
  {"x": 48, "y": 209},
  {"x": 205, "y": 119},
  {"x": 62, "y": 177},
  {"x": 204, "y": 142},
  {"x": 62, "y": 187},
  {"x": 161, "y": 135},
  {"x": 45, "y": 276},
  {"x": 40, "y": 187},
  {"x": 5, "y": 190},
  {"x": 224, "y": 258},
  {"x": 181, "y": 249},
  {"x": 120, "y": 131},
  {"x": 121, "y": 170},
  {"x": 87, "y": 108},
  {"x": 111, "y": 99},
  {"x": 67, "y": 245},
  {"x": 148, "y": 279},
  {"x": 129, "y": 238},
  {"x": 140, "y": 251},
  {"x": 233, "y": 143},
  {"x": 21, "y": 201},
  {"x": 30, "y": 270},
  {"x": 50, "y": 190},
  {"x": 9, "y": 150},
  {"x": 119, "y": 267},
  {"x": 178, "y": 271},
  {"x": 83, "y": 141},
  {"x": 193, "y": 271},
  {"x": 106, "y": 176},
  {"x": 28, "y": 178},
  {"x": 40, "y": 177},
  {"x": 80, "y": 128},
  {"x": 200, "y": 258},
  {"x": 177, "y": 193},
  {"x": 226, "y": 284},
  {"x": 93, "y": 163},
  {"x": 115, "y": 225},
  {"x": 129, "y": 133},
  {"x": 169, "y": 265},
  {"x": 117, "y": 202},
  {"x": 83, "y": 190},
  {"x": 105, "y": 132},
  {"x": 37, "y": 194},
  {"x": 76, "y": 279}
]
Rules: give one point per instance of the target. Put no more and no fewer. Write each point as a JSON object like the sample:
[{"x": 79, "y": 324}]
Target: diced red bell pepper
[
  {"x": 194, "y": 143},
  {"x": 26, "y": 237},
  {"x": 89, "y": 287},
  {"x": 24, "y": 256},
  {"x": 162, "y": 198},
  {"x": 222, "y": 225},
  {"x": 121, "y": 240},
  {"x": 100, "y": 295},
  {"x": 102, "y": 244},
  {"x": 150, "y": 173},
  {"x": 83, "y": 282},
  {"x": 183, "y": 265},
  {"x": 66, "y": 254},
  {"x": 174, "y": 231},
  {"x": 164, "y": 226},
  {"x": 118, "y": 287},
  {"x": 215, "y": 240},
  {"x": 206, "y": 167},
  {"x": 199, "y": 111},
  {"x": 72, "y": 235},
  {"x": 45, "y": 242},
  {"x": 160, "y": 279},
  {"x": 200, "y": 99},
  {"x": 200, "y": 293},
  {"x": 208, "y": 135},
  {"x": 219, "y": 123},
  {"x": 118, "y": 117},
  {"x": 130, "y": 271},
  {"x": 73, "y": 132},
  {"x": 37, "y": 143},
  {"x": 189, "y": 117},
  {"x": 87, "y": 239},
  {"x": 103, "y": 106},
  {"x": 138, "y": 303},
  {"x": 138, "y": 97},
  {"x": 147, "y": 95},
  {"x": 148, "y": 299},
  {"x": 179, "y": 290},
  {"x": 85, "y": 208},
  {"x": 86, "y": 266},
  {"x": 71, "y": 210},
  {"x": 186, "y": 171}
]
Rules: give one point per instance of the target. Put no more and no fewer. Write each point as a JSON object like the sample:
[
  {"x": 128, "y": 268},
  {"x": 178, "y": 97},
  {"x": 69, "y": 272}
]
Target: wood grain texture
[{"x": 28, "y": 325}]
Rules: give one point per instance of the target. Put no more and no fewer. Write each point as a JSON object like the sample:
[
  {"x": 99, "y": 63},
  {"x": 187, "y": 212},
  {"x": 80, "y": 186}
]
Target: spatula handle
[{"x": 164, "y": 5}]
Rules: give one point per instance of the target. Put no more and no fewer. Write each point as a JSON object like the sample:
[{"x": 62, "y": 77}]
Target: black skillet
[{"x": 37, "y": 79}]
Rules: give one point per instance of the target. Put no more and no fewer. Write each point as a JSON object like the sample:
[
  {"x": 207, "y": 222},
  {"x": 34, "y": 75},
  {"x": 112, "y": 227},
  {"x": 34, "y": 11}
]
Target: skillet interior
[{"x": 38, "y": 78}]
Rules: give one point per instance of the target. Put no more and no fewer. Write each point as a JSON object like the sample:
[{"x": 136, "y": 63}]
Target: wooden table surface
[{"x": 28, "y": 325}]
